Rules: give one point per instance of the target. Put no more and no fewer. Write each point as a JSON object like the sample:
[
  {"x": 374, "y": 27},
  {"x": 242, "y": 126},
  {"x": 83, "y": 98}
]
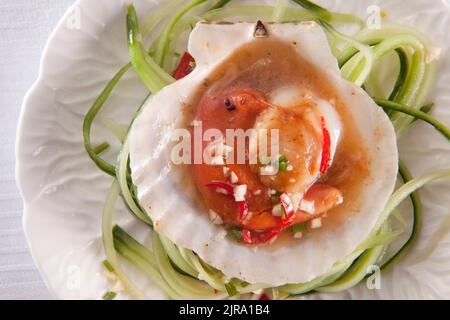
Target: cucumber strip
[
  {"x": 186, "y": 287},
  {"x": 316, "y": 9},
  {"x": 134, "y": 246},
  {"x": 403, "y": 70},
  {"x": 279, "y": 10},
  {"x": 122, "y": 177},
  {"x": 176, "y": 257},
  {"x": 101, "y": 148},
  {"x": 151, "y": 74},
  {"x": 90, "y": 116},
  {"x": 220, "y": 4},
  {"x": 365, "y": 52},
  {"x": 142, "y": 259},
  {"x": 404, "y": 192},
  {"x": 108, "y": 243},
  {"x": 439, "y": 126},
  {"x": 165, "y": 38},
  {"x": 256, "y": 12},
  {"x": 155, "y": 19},
  {"x": 356, "y": 273},
  {"x": 416, "y": 222},
  {"x": 337, "y": 269}
]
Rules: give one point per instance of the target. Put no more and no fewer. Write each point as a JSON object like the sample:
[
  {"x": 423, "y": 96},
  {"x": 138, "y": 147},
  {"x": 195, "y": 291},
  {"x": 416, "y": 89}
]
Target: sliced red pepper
[
  {"x": 288, "y": 209},
  {"x": 222, "y": 185},
  {"x": 255, "y": 236},
  {"x": 326, "y": 148},
  {"x": 243, "y": 210},
  {"x": 186, "y": 65}
]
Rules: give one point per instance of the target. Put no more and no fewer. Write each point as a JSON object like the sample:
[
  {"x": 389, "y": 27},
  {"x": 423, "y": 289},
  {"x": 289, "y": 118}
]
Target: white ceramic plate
[{"x": 64, "y": 192}]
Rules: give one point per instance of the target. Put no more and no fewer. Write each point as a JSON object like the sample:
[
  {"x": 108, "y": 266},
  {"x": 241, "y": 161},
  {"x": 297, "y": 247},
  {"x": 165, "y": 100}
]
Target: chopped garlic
[
  {"x": 433, "y": 53},
  {"x": 298, "y": 235},
  {"x": 217, "y": 161},
  {"x": 292, "y": 180},
  {"x": 239, "y": 192},
  {"x": 316, "y": 223},
  {"x": 222, "y": 191},
  {"x": 225, "y": 170},
  {"x": 267, "y": 170},
  {"x": 233, "y": 178},
  {"x": 257, "y": 192},
  {"x": 289, "y": 167},
  {"x": 276, "y": 210},
  {"x": 220, "y": 235},
  {"x": 307, "y": 206},
  {"x": 215, "y": 218}
]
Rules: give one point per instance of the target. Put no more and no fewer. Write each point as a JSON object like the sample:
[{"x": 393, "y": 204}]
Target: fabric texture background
[{"x": 25, "y": 26}]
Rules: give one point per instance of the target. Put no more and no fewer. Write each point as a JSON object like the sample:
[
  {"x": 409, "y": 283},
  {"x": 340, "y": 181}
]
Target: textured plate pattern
[{"x": 64, "y": 192}]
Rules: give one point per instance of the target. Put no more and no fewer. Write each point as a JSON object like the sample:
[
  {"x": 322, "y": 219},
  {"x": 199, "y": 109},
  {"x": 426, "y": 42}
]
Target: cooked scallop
[{"x": 331, "y": 162}]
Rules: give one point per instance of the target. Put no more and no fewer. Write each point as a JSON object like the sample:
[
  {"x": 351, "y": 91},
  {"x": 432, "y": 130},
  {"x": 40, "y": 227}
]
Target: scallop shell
[{"x": 179, "y": 213}]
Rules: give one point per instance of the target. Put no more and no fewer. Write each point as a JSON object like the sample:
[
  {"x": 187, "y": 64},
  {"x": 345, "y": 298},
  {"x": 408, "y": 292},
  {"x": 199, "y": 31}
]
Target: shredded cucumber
[
  {"x": 358, "y": 271},
  {"x": 179, "y": 272},
  {"x": 108, "y": 243}
]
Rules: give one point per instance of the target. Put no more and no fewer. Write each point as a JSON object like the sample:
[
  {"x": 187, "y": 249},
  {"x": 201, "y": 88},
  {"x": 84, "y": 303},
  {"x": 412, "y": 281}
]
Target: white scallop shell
[{"x": 178, "y": 214}]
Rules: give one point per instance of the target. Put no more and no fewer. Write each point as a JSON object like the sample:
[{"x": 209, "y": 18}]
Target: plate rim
[{"x": 37, "y": 84}]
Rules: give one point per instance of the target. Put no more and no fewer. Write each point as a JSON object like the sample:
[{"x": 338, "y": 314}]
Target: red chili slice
[
  {"x": 326, "y": 148},
  {"x": 243, "y": 210},
  {"x": 186, "y": 65},
  {"x": 288, "y": 209},
  {"x": 255, "y": 237},
  {"x": 221, "y": 185}
]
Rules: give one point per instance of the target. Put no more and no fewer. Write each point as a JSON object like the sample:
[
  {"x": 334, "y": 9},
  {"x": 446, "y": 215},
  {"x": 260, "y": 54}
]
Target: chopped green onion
[
  {"x": 110, "y": 295},
  {"x": 108, "y": 266},
  {"x": 299, "y": 227},
  {"x": 282, "y": 163},
  {"x": 283, "y": 213},
  {"x": 282, "y": 166},
  {"x": 231, "y": 289},
  {"x": 236, "y": 234}
]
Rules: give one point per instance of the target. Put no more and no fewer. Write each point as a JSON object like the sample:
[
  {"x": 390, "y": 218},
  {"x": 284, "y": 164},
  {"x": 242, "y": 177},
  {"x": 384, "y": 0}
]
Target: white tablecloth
[{"x": 24, "y": 28}]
